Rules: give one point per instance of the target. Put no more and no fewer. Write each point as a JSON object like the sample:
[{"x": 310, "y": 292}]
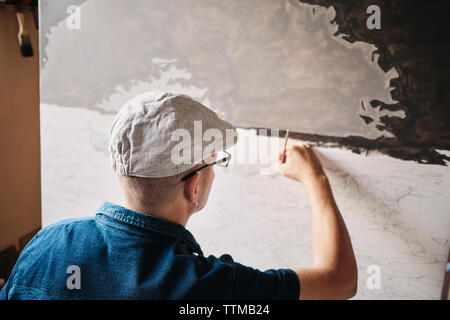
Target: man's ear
[{"x": 191, "y": 186}]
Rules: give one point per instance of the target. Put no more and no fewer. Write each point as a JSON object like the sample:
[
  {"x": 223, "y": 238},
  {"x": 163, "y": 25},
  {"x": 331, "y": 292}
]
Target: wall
[
  {"x": 20, "y": 196},
  {"x": 272, "y": 64}
]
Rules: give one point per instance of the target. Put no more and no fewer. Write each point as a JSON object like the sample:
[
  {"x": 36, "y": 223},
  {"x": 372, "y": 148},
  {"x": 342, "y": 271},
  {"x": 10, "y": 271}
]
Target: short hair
[{"x": 153, "y": 191}]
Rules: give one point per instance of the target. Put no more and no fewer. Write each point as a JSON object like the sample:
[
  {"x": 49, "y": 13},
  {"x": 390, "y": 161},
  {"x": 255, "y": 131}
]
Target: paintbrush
[
  {"x": 283, "y": 159},
  {"x": 24, "y": 38}
]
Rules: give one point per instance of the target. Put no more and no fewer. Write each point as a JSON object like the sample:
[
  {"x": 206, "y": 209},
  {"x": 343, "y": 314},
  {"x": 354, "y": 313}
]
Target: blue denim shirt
[{"x": 125, "y": 254}]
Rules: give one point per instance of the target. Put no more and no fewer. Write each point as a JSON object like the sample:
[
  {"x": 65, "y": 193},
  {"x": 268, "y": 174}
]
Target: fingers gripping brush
[{"x": 24, "y": 38}]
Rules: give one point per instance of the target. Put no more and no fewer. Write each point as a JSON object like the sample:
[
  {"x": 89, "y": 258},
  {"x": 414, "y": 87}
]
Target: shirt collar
[{"x": 150, "y": 223}]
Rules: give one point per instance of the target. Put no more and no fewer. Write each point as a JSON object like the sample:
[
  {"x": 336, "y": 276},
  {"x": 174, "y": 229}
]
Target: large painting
[{"x": 261, "y": 64}]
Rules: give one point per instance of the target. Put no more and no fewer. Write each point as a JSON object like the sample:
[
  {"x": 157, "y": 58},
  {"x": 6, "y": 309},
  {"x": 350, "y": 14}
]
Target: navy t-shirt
[{"x": 125, "y": 254}]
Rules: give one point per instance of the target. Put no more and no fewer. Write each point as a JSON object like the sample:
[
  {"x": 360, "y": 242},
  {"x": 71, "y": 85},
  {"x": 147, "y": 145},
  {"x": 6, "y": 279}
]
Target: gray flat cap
[{"x": 161, "y": 134}]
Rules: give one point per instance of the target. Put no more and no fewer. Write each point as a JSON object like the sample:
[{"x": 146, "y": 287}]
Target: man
[{"x": 141, "y": 249}]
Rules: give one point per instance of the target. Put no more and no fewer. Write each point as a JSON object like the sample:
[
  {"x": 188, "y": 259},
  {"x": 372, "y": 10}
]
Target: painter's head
[
  {"x": 159, "y": 141},
  {"x": 191, "y": 193}
]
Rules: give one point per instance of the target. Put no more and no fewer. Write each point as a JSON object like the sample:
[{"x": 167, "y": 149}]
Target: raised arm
[{"x": 334, "y": 274}]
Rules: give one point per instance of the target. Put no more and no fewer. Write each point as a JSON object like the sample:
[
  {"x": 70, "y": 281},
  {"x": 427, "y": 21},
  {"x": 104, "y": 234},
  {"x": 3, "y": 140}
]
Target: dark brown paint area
[
  {"x": 414, "y": 39},
  {"x": 360, "y": 145}
]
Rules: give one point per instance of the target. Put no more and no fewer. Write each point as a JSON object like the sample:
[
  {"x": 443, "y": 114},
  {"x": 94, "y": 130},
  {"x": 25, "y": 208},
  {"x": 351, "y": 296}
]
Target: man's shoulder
[
  {"x": 45, "y": 257},
  {"x": 62, "y": 227},
  {"x": 69, "y": 222},
  {"x": 62, "y": 233}
]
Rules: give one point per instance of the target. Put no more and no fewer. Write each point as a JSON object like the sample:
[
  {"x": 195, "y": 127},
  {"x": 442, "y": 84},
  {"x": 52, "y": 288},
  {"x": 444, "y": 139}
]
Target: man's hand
[{"x": 301, "y": 163}]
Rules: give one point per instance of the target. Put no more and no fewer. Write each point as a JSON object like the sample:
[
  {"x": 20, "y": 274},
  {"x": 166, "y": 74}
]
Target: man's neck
[{"x": 169, "y": 213}]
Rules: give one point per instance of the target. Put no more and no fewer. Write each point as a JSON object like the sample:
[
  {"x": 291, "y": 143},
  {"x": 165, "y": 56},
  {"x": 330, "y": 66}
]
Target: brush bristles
[{"x": 25, "y": 45}]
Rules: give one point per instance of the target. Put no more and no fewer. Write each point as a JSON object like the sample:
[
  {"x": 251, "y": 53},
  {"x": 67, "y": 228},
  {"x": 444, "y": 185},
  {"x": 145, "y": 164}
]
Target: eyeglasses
[{"x": 222, "y": 162}]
